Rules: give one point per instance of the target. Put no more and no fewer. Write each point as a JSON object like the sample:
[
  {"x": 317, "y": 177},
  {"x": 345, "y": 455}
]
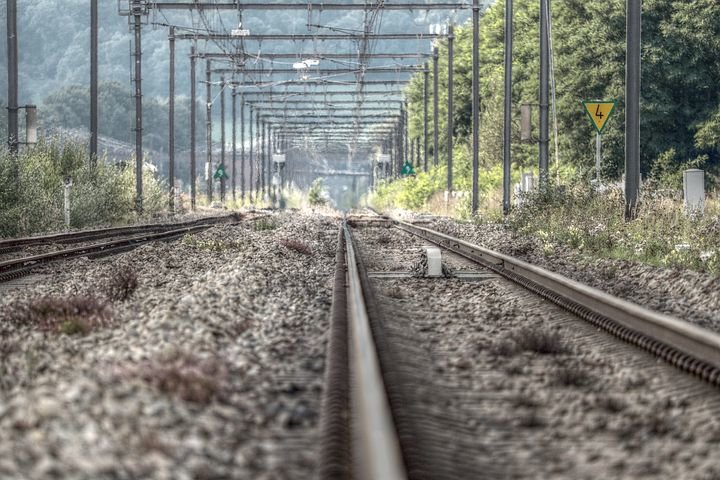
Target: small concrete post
[
  {"x": 67, "y": 183},
  {"x": 694, "y": 190}
]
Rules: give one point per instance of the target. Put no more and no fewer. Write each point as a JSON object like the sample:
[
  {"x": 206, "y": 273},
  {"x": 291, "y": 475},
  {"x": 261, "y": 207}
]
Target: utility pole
[
  {"x": 262, "y": 158},
  {"x": 258, "y": 157},
  {"x": 417, "y": 150},
  {"x": 268, "y": 157},
  {"x": 234, "y": 141},
  {"x": 242, "y": 147},
  {"x": 412, "y": 150},
  {"x": 222, "y": 137},
  {"x": 406, "y": 139},
  {"x": 400, "y": 146},
  {"x": 12, "y": 46},
  {"x": 451, "y": 38},
  {"x": 544, "y": 92},
  {"x": 426, "y": 81},
  {"x": 436, "y": 128},
  {"x": 251, "y": 159},
  {"x": 193, "y": 129},
  {"x": 171, "y": 123},
  {"x": 507, "y": 119},
  {"x": 632, "y": 108},
  {"x": 208, "y": 133},
  {"x": 93, "y": 81},
  {"x": 137, "y": 13},
  {"x": 475, "y": 105}
]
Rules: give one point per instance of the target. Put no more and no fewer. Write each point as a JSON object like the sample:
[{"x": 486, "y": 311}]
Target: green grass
[
  {"x": 594, "y": 223},
  {"x": 31, "y": 190}
]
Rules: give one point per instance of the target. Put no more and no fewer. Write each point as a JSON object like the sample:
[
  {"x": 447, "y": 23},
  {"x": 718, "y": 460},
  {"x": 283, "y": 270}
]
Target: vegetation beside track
[
  {"x": 32, "y": 192},
  {"x": 594, "y": 223},
  {"x": 581, "y": 217}
]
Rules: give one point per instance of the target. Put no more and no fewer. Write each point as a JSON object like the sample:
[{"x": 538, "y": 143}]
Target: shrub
[
  {"x": 572, "y": 376},
  {"x": 316, "y": 194},
  {"x": 71, "y": 316},
  {"x": 539, "y": 340},
  {"x": 194, "y": 379},
  {"x": 262, "y": 224},
  {"x": 295, "y": 245},
  {"x": 122, "y": 284},
  {"x": 32, "y": 192}
]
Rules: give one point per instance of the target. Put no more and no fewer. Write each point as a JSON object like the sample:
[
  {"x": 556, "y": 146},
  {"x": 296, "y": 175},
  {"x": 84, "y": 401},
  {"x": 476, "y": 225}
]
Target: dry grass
[
  {"x": 540, "y": 340},
  {"x": 194, "y": 379},
  {"x": 504, "y": 347},
  {"x": 612, "y": 404},
  {"x": 122, "y": 284},
  {"x": 531, "y": 419},
  {"x": 75, "y": 315},
  {"x": 295, "y": 245},
  {"x": 384, "y": 239},
  {"x": 572, "y": 376},
  {"x": 393, "y": 291}
]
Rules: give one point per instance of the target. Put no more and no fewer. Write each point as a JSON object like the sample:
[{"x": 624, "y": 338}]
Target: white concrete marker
[{"x": 434, "y": 261}]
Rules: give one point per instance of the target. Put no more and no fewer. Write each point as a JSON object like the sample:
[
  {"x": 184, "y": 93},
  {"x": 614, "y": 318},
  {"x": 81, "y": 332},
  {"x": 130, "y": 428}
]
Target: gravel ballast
[
  {"x": 532, "y": 390},
  {"x": 212, "y": 368},
  {"x": 686, "y": 294}
]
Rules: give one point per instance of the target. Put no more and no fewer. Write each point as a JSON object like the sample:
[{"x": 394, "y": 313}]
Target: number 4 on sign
[{"x": 599, "y": 112}]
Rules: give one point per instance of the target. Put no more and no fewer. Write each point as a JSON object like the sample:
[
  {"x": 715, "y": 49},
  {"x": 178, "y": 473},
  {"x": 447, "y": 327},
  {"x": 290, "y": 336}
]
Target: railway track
[
  {"x": 375, "y": 382},
  {"x": 122, "y": 239}
]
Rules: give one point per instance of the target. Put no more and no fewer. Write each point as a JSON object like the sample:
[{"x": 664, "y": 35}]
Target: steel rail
[
  {"x": 13, "y": 244},
  {"x": 379, "y": 454},
  {"x": 688, "y": 347}
]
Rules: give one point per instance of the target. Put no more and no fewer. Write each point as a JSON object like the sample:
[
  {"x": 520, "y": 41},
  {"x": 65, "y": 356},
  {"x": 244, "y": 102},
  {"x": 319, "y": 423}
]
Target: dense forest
[{"x": 680, "y": 103}]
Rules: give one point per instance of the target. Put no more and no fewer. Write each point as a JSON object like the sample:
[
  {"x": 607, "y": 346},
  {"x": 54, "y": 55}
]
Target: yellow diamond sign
[{"x": 599, "y": 112}]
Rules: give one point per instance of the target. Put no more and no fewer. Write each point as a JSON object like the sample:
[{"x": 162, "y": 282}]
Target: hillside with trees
[{"x": 680, "y": 104}]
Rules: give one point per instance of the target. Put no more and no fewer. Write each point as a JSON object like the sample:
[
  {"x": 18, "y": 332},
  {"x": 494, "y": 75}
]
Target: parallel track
[
  {"x": 15, "y": 268},
  {"x": 690, "y": 348},
  {"x": 358, "y": 404},
  {"x": 14, "y": 244}
]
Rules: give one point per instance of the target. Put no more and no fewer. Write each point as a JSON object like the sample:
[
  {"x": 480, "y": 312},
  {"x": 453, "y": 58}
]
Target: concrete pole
[
  {"x": 242, "y": 147},
  {"x": 475, "y": 105},
  {"x": 262, "y": 158},
  {"x": 411, "y": 158},
  {"x": 208, "y": 131},
  {"x": 193, "y": 129},
  {"x": 12, "y": 47},
  {"x": 222, "y": 136},
  {"x": 261, "y": 150},
  {"x": 507, "y": 119},
  {"x": 93, "y": 81},
  {"x": 632, "y": 107},
  {"x": 251, "y": 158},
  {"x": 544, "y": 92},
  {"x": 268, "y": 157},
  {"x": 426, "y": 82},
  {"x": 436, "y": 113},
  {"x": 405, "y": 134},
  {"x": 418, "y": 159},
  {"x": 171, "y": 124},
  {"x": 451, "y": 39},
  {"x": 234, "y": 142},
  {"x": 138, "y": 114}
]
